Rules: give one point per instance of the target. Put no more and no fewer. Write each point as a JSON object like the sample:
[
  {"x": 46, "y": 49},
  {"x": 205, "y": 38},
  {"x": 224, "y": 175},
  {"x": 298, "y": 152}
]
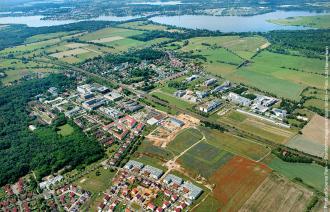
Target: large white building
[{"x": 237, "y": 99}]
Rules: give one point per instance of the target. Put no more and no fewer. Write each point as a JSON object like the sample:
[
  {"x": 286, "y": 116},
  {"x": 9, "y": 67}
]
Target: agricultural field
[
  {"x": 283, "y": 75},
  {"x": 236, "y": 181},
  {"x": 244, "y": 47},
  {"x": 234, "y": 144},
  {"x": 108, "y": 33},
  {"x": 320, "y": 22},
  {"x": 42, "y": 37},
  {"x": 184, "y": 140},
  {"x": 257, "y": 127},
  {"x": 311, "y": 174},
  {"x": 141, "y": 25},
  {"x": 307, "y": 145},
  {"x": 277, "y": 193},
  {"x": 312, "y": 139},
  {"x": 204, "y": 159}
]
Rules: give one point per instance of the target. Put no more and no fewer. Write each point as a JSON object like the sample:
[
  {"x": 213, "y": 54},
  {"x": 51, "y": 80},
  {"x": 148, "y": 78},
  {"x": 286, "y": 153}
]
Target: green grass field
[
  {"x": 42, "y": 37},
  {"x": 96, "y": 181},
  {"x": 275, "y": 73},
  {"x": 110, "y": 32},
  {"x": 65, "y": 130},
  {"x": 210, "y": 204},
  {"x": 184, "y": 140},
  {"x": 235, "y": 145},
  {"x": 245, "y": 47},
  {"x": 321, "y": 21},
  {"x": 204, "y": 159},
  {"x": 257, "y": 127},
  {"x": 173, "y": 100},
  {"x": 311, "y": 174}
]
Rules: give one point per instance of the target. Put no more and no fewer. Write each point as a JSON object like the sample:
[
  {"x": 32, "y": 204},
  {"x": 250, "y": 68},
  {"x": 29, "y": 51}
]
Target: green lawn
[
  {"x": 96, "y": 183},
  {"x": 283, "y": 75},
  {"x": 234, "y": 144},
  {"x": 311, "y": 174},
  {"x": 210, "y": 204},
  {"x": 204, "y": 159},
  {"x": 110, "y": 32},
  {"x": 65, "y": 130},
  {"x": 173, "y": 100},
  {"x": 184, "y": 140}
]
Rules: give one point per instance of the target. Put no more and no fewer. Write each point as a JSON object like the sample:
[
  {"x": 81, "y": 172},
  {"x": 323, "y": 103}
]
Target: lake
[
  {"x": 256, "y": 23},
  {"x": 35, "y": 21}
]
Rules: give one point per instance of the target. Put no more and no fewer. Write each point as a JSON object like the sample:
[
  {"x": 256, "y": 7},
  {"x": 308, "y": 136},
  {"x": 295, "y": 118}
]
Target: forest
[{"x": 43, "y": 151}]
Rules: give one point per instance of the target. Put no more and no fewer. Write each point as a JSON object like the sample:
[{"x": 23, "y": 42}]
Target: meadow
[
  {"x": 204, "y": 159},
  {"x": 283, "y": 75},
  {"x": 173, "y": 100},
  {"x": 65, "y": 130},
  {"x": 184, "y": 140},
  {"x": 257, "y": 127},
  {"x": 311, "y": 174},
  {"x": 234, "y": 144}
]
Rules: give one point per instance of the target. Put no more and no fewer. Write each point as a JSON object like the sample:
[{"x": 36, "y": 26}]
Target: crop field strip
[
  {"x": 278, "y": 194},
  {"x": 236, "y": 181}
]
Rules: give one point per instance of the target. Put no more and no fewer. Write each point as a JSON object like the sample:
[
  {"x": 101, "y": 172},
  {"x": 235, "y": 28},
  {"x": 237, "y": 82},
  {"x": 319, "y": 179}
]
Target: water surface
[{"x": 256, "y": 23}]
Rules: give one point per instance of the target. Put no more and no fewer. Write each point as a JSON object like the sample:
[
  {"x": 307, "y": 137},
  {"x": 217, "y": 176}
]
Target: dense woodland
[
  {"x": 310, "y": 43},
  {"x": 43, "y": 150}
]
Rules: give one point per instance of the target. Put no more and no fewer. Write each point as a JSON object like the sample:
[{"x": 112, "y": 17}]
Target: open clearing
[
  {"x": 311, "y": 174},
  {"x": 65, "y": 130},
  {"x": 204, "y": 159},
  {"x": 283, "y": 75},
  {"x": 278, "y": 194},
  {"x": 313, "y": 137},
  {"x": 315, "y": 129},
  {"x": 236, "y": 181},
  {"x": 108, "y": 39},
  {"x": 258, "y": 127},
  {"x": 76, "y": 45},
  {"x": 234, "y": 144},
  {"x": 184, "y": 140},
  {"x": 69, "y": 53}
]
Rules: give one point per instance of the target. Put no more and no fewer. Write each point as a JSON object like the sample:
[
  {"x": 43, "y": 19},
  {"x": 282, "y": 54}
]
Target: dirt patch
[
  {"x": 278, "y": 194},
  {"x": 167, "y": 131},
  {"x": 315, "y": 129},
  {"x": 108, "y": 39},
  {"x": 236, "y": 181}
]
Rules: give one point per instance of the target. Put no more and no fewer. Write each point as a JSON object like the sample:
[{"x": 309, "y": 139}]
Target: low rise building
[
  {"x": 210, "y": 82},
  {"x": 194, "y": 191},
  {"x": 177, "y": 122},
  {"x": 237, "y": 99},
  {"x": 153, "y": 172},
  {"x": 209, "y": 106},
  {"x": 132, "y": 164}
]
